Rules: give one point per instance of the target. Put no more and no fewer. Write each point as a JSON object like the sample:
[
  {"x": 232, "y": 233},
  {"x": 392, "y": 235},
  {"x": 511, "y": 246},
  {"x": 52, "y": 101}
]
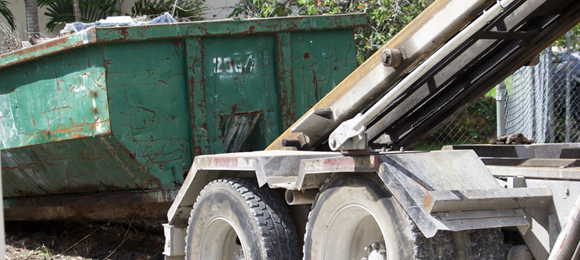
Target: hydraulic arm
[{"x": 446, "y": 64}]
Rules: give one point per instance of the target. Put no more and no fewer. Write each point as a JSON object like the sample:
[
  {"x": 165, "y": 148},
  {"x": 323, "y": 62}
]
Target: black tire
[
  {"x": 482, "y": 244},
  {"x": 235, "y": 219},
  {"x": 352, "y": 212}
]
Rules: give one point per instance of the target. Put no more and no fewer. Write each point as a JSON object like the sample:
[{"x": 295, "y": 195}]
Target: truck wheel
[
  {"x": 235, "y": 219},
  {"x": 356, "y": 217},
  {"x": 479, "y": 244}
]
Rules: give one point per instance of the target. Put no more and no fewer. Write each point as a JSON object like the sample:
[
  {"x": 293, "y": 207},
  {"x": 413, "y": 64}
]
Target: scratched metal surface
[
  {"x": 240, "y": 78},
  {"x": 127, "y": 109},
  {"x": 320, "y": 61},
  {"x": 233, "y": 27}
]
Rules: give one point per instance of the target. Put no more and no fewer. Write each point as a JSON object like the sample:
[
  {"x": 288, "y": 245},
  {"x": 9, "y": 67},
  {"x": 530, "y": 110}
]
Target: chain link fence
[
  {"x": 475, "y": 125},
  {"x": 542, "y": 102}
]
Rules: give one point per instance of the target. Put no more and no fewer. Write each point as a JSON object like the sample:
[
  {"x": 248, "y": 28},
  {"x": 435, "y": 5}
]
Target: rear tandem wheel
[
  {"x": 356, "y": 217},
  {"x": 234, "y": 219}
]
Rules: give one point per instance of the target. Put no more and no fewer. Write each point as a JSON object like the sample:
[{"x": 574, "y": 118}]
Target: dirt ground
[{"x": 117, "y": 240}]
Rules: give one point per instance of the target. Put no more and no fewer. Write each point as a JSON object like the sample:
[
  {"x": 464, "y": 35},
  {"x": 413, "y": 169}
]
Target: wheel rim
[
  {"x": 352, "y": 229},
  {"x": 220, "y": 241}
]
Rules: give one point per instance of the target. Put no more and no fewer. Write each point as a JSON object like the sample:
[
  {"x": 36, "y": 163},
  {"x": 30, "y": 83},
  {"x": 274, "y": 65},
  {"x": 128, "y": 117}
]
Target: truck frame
[{"x": 352, "y": 188}]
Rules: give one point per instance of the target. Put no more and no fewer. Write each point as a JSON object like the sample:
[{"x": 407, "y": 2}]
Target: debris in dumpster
[
  {"x": 114, "y": 21},
  {"x": 35, "y": 39},
  {"x": 11, "y": 39}
]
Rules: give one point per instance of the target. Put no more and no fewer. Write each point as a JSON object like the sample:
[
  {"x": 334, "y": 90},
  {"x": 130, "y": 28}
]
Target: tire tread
[{"x": 278, "y": 233}]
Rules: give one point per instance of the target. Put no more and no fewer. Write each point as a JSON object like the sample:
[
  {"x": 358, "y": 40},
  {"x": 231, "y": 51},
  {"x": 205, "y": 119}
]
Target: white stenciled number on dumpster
[{"x": 236, "y": 64}]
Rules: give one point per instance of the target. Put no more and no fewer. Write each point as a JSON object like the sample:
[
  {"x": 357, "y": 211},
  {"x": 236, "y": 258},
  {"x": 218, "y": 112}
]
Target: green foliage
[
  {"x": 575, "y": 39},
  {"x": 386, "y": 17},
  {"x": 61, "y": 11},
  {"x": 191, "y": 9},
  {"x": 4, "y": 11},
  {"x": 45, "y": 252},
  {"x": 476, "y": 125}
]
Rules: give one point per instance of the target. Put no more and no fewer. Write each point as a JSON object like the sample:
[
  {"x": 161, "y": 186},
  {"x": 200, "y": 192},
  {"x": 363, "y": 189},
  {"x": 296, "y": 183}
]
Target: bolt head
[
  {"x": 376, "y": 246},
  {"x": 391, "y": 57},
  {"x": 385, "y": 56},
  {"x": 368, "y": 249}
]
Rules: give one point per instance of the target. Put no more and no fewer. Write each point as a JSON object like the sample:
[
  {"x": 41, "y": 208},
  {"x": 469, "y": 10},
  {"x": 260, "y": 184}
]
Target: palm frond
[
  {"x": 7, "y": 13},
  {"x": 61, "y": 11}
]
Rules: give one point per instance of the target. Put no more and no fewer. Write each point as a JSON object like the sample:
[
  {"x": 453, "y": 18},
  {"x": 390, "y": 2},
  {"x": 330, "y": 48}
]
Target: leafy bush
[
  {"x": 386, "y": 17},
  {"x": 476, "y": 125},
  {"x": 575, "y": 36}
]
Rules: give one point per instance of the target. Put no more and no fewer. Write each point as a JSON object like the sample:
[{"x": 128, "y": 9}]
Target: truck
[{"x": 343, "y": 181}]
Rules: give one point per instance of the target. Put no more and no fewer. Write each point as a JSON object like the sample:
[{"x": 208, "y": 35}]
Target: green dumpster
[{"x": 105, "y": 122}]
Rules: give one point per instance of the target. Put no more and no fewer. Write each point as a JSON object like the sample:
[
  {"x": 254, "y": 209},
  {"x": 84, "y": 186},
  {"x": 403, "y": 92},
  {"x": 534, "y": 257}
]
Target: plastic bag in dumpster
[{"x": 115, "y": 20}]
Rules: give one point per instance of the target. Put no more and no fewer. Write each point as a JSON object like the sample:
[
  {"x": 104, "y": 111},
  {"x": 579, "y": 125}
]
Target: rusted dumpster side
[{"x": 108, "y": 120}]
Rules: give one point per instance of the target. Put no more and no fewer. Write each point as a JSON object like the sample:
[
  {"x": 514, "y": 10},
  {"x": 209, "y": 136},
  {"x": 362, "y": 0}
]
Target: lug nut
[
  {"x": 383, "y": 252},
  {"x": 376, "y": 245},
  {"x": 368, "y": 249}
]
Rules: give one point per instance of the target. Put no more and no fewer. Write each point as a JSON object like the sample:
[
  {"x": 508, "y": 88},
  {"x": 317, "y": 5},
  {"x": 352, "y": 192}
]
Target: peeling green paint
[{"x": 127, "y": 108}]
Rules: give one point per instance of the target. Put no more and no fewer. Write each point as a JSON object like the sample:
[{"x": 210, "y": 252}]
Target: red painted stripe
[
  {"x": 225, "y": 162},
  {"x": 338, "y": 164}
]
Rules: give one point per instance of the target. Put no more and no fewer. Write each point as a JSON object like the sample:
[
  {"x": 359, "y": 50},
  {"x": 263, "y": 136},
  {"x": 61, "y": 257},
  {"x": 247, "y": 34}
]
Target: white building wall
[{"x": 219, "y": 9}]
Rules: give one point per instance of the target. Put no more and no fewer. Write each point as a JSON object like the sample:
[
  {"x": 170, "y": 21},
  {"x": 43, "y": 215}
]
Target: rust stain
[
  {"x": 53, "y": 46},
  {"x": 64, "y": 131},
  {"x": 148, "y": 110},
  {"x": 177, "y": 45},
  {"x": 234, "y": 107},
  {"x": 55, "y": 109},
  {"x": 428, "y": 201},
  {"x": 55, "y": 43},
  {"x": 123, "y": 31},
  {"x": 315, "y": 82},
  {"x": 177, "y": 42},
  {"x": 102, "y": 199}
]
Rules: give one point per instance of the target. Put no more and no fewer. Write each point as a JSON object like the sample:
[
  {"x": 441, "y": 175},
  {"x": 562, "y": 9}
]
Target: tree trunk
[
  {"x": 76, "y": 10},
  {"x": 32, "y": 27}
]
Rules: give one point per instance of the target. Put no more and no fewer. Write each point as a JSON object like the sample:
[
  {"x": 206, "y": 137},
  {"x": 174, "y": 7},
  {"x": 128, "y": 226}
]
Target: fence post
[
  {"x": 568, "y": 87},
  {"x": 551, "y": 119},
  {"x": 534, "y": 94},
  {"x": 500, "y": 98}
]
